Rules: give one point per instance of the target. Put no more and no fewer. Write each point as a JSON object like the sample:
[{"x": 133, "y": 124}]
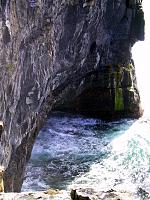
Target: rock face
[{"x": 63, "y": 55}]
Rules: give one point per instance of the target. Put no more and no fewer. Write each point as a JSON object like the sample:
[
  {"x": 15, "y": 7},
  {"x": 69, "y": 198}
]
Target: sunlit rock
[
  {"x": 44, "y": 195},
  {"x": 1, "y": 179}
]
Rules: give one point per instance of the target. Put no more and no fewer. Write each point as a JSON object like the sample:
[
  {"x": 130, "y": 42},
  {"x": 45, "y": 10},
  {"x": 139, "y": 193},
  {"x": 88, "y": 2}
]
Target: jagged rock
[
  {"x": 91, "y": 194},
  {"x": 63, "y": 55},
  {"x": 143, "y": 193},
  {"x": 79, "y": 194}
]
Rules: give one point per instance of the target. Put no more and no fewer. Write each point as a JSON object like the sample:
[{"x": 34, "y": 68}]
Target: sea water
[{"x": 78, "y": 151}]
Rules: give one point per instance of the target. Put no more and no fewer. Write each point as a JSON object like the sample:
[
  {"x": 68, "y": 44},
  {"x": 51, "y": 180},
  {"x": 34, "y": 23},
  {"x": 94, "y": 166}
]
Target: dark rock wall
[{"x": 63, "y": 55}]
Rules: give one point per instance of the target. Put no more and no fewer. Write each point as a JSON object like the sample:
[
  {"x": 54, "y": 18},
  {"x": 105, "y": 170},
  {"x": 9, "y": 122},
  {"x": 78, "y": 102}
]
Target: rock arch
[{"x": 47, "y": 64}]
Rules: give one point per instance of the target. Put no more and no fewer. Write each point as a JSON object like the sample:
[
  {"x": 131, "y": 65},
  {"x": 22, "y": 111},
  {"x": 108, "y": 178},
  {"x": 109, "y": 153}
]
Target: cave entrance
[{"x": 140, "y": 53}]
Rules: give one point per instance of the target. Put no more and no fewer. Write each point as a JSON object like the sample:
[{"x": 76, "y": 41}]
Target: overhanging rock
[{"x": 67, "y": 55}]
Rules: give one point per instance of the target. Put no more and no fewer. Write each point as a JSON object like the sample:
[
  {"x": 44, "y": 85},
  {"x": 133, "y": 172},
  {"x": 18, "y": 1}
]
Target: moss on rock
[{"x": 119, "y": 101}]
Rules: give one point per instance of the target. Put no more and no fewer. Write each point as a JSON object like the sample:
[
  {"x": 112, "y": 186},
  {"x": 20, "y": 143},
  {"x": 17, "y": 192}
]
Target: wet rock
[
  {"x": 143, "y": 193},
  {"x": 63, "y": 55}
]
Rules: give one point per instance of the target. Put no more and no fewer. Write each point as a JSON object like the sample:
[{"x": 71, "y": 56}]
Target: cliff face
[{"x": 63, "y": 55}]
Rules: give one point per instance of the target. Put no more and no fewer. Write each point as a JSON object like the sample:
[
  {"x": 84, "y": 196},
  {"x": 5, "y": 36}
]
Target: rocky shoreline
[{"x": 75, "y": 194}]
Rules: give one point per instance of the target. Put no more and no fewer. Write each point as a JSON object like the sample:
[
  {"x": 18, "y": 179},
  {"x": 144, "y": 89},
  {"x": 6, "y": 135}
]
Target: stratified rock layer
[{"x": 64, "y": 55}]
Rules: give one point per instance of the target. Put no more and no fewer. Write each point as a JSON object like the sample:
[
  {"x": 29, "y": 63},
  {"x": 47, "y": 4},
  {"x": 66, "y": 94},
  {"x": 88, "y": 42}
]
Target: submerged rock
[
  {"x": 63, "y": 55},
  {"x": 143, "y": 193}
]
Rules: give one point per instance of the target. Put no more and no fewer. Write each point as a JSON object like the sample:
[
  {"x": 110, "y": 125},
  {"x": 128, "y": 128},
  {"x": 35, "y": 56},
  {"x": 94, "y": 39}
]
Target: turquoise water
[{"x": 76, "y": 151}]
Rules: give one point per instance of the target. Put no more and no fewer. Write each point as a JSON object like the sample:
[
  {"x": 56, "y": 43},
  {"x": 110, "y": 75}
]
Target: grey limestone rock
[
  {"x": 70, "y": 55},
  {"x": 91, "y": 194}
]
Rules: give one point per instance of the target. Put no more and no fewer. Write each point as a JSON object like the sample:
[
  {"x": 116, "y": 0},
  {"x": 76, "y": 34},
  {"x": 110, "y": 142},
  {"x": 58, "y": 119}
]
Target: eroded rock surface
[
  {"x": 91, "y": 194},
  {"x": 64, "y": 55},
  {"x": 75, "y": 194},
  {"x": 43, "y": 195}
]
